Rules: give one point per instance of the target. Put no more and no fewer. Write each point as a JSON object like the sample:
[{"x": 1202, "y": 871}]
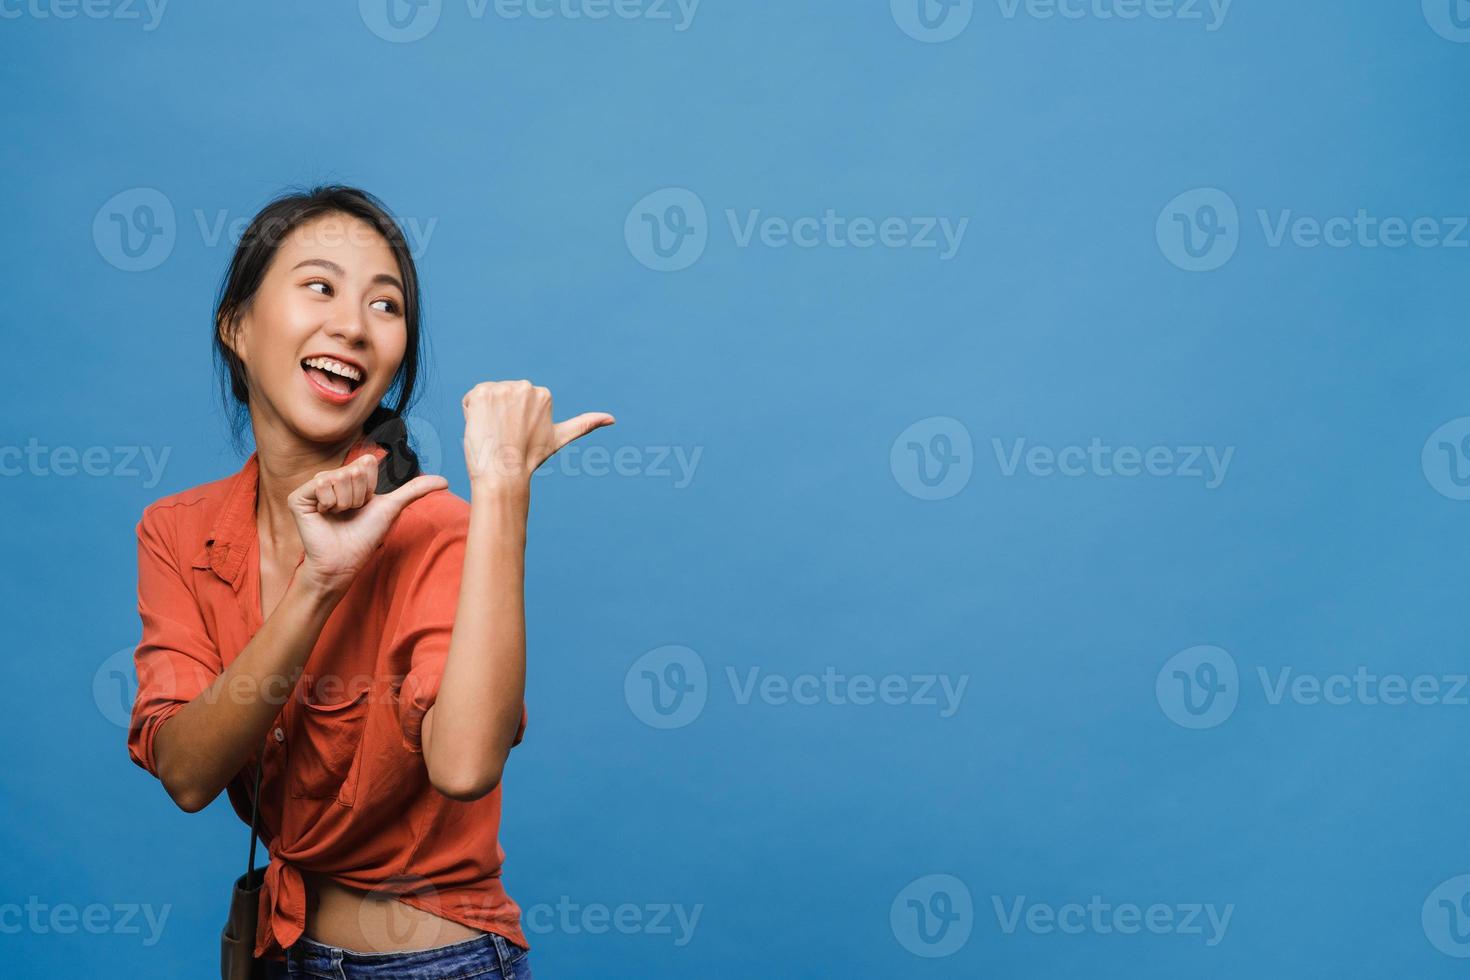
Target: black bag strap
[{"x": 254, "y": 817}]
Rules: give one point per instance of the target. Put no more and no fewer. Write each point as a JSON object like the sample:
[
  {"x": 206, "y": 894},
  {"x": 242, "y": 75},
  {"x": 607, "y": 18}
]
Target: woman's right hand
[{"x": 343, "y": 520}]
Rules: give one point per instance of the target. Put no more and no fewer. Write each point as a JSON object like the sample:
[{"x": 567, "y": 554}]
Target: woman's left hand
[{"x": 508, "y": 432}]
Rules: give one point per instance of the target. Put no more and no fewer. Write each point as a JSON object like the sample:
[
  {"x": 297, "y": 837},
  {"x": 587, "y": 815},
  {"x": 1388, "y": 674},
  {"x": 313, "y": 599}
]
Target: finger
[
  {"x": 356, "y": 491},
  {"x": 395, "y": 501},
  {"x": 342, "y": 489},
  {"x": 579, "y": 426},
  {"x": 347, "y": 482},
  {"x": 326, "y": 495},
  {"x": 364, "y": 480}
]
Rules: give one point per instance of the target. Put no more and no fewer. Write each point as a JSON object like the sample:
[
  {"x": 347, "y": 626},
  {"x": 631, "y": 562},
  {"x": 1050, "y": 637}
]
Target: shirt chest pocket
[{"x": 326, "y": 749}]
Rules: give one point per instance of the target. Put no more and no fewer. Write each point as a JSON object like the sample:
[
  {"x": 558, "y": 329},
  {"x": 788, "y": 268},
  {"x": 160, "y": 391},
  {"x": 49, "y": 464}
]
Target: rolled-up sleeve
[
  {"x": 175, "y": 660},
  {"x": 426, "y": 624}
]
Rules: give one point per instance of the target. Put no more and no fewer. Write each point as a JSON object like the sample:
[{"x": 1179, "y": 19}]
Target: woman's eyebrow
[{"x": 336, "y": 269}]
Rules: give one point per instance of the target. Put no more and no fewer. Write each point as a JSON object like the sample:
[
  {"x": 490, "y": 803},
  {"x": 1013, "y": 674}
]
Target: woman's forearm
[
  {"x": 203, "y": 745},
  {"x": 467, "y": 733}
]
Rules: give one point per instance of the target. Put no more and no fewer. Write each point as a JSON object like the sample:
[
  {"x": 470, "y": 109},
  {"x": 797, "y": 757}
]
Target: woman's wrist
[
  {"x": 501, "y": 512},
  {"x": 318, "y": 591},
  {"x": 501, "y": 491}
]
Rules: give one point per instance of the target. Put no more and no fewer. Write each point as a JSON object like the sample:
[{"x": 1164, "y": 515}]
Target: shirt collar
[{"x": 234, "y": 532}]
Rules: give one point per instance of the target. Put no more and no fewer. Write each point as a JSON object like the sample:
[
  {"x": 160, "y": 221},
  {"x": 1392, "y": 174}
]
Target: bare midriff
[{"x": 370, "y": 923}]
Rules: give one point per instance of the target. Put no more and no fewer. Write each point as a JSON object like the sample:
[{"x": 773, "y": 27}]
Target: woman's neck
[{"x": 282, "y": 467}]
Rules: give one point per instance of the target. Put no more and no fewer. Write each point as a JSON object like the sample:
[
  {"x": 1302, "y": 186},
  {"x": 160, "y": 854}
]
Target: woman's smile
[{"x": 334, "y": 379}]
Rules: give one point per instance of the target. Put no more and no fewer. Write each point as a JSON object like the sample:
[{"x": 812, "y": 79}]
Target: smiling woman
[{"x": 329, "y": 556}]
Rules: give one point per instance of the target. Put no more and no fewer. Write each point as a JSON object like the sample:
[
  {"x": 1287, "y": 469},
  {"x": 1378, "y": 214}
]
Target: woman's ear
[{"x": 228, "y": 327}]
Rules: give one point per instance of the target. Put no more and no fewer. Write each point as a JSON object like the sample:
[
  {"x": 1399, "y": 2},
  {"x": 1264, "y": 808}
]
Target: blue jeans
[{"x": 490, "y": 956}]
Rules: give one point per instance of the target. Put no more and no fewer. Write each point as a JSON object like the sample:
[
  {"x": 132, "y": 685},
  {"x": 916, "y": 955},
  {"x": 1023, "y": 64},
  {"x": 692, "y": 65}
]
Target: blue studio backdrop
[{"x": 1031, "y": 544}]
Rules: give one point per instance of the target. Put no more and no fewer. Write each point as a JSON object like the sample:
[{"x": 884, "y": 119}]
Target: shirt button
[{"x": 279, "y": 734}]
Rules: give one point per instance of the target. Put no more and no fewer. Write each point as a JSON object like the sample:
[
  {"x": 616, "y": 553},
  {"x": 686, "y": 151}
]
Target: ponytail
[{"x": 386, "y": 427}]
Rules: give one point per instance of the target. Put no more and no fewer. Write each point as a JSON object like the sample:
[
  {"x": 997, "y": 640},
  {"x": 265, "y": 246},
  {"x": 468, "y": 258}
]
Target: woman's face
[{"x": 332, "y": 297}]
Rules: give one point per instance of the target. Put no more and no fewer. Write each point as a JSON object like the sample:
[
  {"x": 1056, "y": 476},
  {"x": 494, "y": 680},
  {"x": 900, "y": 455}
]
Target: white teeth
[{"x": 334, "y": 366}]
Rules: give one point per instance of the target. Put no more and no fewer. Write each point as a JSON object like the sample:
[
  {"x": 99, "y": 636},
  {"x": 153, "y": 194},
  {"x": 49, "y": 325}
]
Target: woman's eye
[
  {"x": 387, "y": 304},
  {"x": 327, "y": 290}
]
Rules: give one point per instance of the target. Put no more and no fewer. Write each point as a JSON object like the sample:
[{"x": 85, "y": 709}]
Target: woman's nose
[{"x": 348, "y": 329}]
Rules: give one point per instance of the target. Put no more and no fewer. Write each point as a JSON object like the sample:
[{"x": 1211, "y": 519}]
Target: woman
[{"x": 343, "y": 622}]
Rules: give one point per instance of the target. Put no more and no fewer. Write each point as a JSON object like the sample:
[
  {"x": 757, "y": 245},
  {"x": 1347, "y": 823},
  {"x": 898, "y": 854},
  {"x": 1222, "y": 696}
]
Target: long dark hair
[{"x": 258, "y": 246}]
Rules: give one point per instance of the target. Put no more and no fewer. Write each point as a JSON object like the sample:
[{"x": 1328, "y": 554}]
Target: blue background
[{"x": 796, "y": 546}]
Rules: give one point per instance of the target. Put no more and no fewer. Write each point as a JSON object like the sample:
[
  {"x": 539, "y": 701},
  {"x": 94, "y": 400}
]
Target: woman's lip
[{"x": 335, "y": 397}]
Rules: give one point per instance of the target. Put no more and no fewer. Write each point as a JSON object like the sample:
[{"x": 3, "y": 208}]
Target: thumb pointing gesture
[
  {"x": 577, "y": 427},
  {"x": 392, "y": 504},
  {"x": 508, "y": 431},
  {"x": 342, "y": 520}
]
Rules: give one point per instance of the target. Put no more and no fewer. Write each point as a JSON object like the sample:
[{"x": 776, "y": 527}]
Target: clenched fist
[{"x": 508, "y": 432}]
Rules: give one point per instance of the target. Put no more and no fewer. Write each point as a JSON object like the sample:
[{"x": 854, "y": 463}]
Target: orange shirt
[{"x": 344, "y": 789}]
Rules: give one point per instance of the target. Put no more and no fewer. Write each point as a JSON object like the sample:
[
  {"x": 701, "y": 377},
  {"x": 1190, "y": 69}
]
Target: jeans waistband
[{"x": 464, "y": 956}]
